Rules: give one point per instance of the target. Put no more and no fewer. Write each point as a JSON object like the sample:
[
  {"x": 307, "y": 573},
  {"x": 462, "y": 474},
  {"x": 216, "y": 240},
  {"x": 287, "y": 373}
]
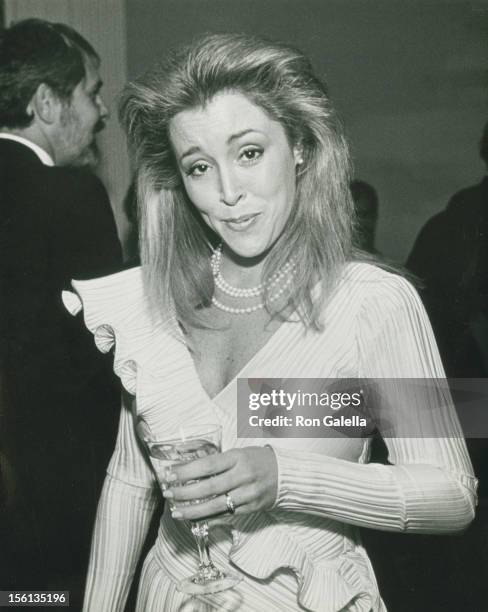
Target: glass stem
[{"x": 200, "y": 532}]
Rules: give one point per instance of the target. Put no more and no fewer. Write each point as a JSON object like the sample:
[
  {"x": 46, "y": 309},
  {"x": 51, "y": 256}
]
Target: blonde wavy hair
[{"x": 175, "y": 243}]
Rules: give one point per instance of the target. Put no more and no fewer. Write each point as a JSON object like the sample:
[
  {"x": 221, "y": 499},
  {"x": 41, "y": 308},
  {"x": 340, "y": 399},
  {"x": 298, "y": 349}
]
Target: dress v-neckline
[
  {"x": 286, "y": 324},
  {"x": 261, "y": 350}
]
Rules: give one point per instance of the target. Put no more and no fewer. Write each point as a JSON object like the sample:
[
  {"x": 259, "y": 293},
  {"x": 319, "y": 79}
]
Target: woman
[{"x": 247, "y": 270}]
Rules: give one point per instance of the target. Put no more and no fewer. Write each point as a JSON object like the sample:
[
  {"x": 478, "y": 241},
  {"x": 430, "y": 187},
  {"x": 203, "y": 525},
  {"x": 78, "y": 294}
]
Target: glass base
[{"x": 208, "y": 580}]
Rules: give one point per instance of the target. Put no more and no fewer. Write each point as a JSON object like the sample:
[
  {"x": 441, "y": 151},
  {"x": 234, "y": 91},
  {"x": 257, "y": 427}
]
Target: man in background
[
  {"x": 58, "y": 398},
  {"x": 450, "y": 256}
]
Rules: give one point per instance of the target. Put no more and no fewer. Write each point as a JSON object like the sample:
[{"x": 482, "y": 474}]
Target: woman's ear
[{"x": 45, "y": 105}]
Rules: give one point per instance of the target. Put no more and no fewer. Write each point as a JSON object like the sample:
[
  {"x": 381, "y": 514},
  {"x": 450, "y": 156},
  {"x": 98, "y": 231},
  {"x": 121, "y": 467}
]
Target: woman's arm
[
  {"x": 416, "y": 497},
  {"x": 430, "y": 485},
  {"x": 126, "y": 506},
  {"x": 123, "y": 518}
]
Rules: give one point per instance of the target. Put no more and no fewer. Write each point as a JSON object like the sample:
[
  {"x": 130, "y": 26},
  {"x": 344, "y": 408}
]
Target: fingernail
[
  {"x": 176, "y": 514},
  {"x": 172, "y": 477},
  {"x": 168, "y": 494}
]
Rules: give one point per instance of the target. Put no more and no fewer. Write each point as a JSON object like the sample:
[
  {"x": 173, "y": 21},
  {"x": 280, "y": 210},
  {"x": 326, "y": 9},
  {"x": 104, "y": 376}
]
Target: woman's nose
[{"x": 230, "y": 190}]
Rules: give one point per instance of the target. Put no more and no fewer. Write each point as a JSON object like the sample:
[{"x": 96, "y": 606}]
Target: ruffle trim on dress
[
  {"x": 112, "y": 306},
  {"x": 326, "y": 585},
  {"x": 71, "y": 302},
  {"x": 261, "y": 548},
  {"x": 104, "y": 336},
  {"x": 150, "y": 357}
]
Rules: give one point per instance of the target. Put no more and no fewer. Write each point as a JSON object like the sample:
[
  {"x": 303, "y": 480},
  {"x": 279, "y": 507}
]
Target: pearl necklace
[{"x": 251, "y": 292}]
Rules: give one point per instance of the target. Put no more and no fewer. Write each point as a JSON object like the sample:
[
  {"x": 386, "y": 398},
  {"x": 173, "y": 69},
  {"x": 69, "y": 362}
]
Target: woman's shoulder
[
  {"x": 376, "y": 286},
  {"x": 356, "y": 271}
]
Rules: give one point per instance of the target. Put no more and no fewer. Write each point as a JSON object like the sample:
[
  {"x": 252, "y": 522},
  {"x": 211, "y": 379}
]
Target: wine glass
[{"x": 190, "y": 443}]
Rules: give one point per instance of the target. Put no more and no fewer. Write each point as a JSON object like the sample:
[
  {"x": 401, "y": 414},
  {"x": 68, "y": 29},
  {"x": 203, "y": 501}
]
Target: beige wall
[{"x": 102, "y": 22}]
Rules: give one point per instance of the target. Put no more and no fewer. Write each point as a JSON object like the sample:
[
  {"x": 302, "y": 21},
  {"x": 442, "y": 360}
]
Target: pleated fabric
[{"x": 305, "y": 553}]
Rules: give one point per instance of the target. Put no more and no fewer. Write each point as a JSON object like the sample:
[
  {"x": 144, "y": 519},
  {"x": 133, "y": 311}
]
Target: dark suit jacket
[{"x": 59, "y": 398}]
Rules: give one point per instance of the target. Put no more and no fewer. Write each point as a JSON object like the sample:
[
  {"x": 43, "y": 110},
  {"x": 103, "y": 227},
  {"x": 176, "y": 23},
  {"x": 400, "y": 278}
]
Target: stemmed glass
[{"x": 192, "y": 442}]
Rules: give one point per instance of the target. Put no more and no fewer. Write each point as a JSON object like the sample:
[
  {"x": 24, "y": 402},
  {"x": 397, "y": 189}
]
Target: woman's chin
[
  {"x": 246, "y": 252},
  {"x": 247, "y": 247}
]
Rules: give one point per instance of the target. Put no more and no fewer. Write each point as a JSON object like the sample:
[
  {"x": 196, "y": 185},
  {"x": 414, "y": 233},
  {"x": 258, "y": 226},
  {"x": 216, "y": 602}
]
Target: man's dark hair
[{"x": 32, "y": 52}]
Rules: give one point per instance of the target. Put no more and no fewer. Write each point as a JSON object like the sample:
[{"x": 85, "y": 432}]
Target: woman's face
[{"x": 238, "y": 169}]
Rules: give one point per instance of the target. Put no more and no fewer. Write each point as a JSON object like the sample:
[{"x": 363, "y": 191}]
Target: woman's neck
[{"x": 242, "y": 271}]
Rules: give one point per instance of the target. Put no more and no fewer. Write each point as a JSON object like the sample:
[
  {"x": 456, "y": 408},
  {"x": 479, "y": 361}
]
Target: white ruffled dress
[{"x": 305, "y": 553}]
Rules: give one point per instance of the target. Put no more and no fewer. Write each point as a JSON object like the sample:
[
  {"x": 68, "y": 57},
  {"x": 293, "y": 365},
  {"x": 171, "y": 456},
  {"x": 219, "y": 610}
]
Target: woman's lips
[{"x": 242, "y": 223}]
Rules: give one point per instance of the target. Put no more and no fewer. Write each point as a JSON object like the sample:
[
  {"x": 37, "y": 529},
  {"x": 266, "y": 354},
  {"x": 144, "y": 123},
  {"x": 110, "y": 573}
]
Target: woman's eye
[
  {"x": 197, "y": 170},
  {"x": 251, "y": 154}
]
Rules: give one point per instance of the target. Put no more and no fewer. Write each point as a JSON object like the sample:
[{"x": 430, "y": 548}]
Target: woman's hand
[{"x": 249, "y": 475}]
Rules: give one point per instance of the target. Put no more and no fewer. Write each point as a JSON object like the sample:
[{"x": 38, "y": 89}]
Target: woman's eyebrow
[
  {"x": 232, "y": 137},
  {"x": 190, "y": 151},
  {"x": 238, "y": 135}
]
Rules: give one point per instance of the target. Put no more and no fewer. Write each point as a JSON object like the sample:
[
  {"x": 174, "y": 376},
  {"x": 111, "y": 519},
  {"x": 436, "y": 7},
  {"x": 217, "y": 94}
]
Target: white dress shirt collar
[{"x": 45, "y": 158}]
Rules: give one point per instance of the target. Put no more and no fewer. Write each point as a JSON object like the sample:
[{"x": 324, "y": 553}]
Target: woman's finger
[
  {"x": 212, "y": 507},
  {"x": 208, "y": 487},
  {"x": 201, "y": 468}
]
